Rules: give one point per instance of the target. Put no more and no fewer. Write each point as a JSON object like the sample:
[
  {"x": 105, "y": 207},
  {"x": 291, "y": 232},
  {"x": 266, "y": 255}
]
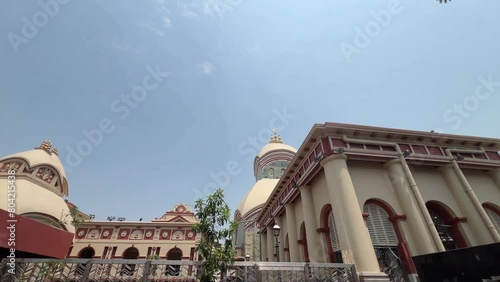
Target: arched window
[
  {"x": 174, "y": 269},
  {"x": 303, "y": 242},
  {"x": 287, "y": 248},
  {"x": 493, "y": 213},
  {"x": 131, "y": 253},
  {"x": 331, "y": 235},
  {"x": 446, "y": 226},
  {"x": 386, "y": 242}
]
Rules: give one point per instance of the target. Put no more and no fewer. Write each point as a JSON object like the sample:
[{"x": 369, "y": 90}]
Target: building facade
[
  {"x": 35, "y": 190},
  {"x": 376, "y": 197},
  {"x": 168, "y": 237}
]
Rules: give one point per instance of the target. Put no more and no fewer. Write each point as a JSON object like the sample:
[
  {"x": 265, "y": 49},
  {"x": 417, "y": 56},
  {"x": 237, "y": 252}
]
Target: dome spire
[
  {"x": 275, "y": 137},
  {"x": 47, "y": 147}
]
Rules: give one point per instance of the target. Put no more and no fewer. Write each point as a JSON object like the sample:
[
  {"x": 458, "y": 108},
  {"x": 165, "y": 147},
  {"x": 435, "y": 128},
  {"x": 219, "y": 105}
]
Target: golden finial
[
  {"x": 275, "y": 137},
  {"x": 55, "y": 151},
  {"x": 46, "y": 146}
]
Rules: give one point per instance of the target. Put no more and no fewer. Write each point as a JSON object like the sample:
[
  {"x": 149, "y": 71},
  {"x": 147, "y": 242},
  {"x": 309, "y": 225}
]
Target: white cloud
[
  {"x": 207, "y": 68},
  {"x": 187, "y": 10},
  {"x": 167, "y": 22}
]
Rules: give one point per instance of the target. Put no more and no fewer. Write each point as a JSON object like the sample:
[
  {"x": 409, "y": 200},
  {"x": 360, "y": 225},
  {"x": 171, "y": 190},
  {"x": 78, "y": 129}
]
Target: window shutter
[
  {"x": 494, "y": 218},
  {"x": 380, "y": 227},
  {"x": 334, "y": 237}
]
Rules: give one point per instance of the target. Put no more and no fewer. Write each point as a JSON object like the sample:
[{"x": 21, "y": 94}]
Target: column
[
  {"x": 309, "y": 222},
  {"x": 422, "y": 238},
  {"x": 263, "y": 246},
  {"x": 281, "y": 239},
  {"x": 291, "y": 226},
  {"x": 481, "y": 226},
  {"x": 270, "y": 244},
  {"x": 495, "y": 174},
  {"x": 345, "y": 206}
]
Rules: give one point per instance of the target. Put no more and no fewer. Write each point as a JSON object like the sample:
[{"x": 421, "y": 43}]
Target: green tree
[{"x": 216, "y": 230}]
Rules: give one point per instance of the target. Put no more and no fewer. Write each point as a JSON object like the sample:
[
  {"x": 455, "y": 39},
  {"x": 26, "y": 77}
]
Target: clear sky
[{"x": 177, "y": 88}]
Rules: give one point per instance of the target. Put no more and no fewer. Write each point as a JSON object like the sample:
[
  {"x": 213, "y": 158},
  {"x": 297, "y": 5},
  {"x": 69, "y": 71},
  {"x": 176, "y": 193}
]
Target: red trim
[
  {"x": 365, "y": 215},
  {"x": 49, "y": 242},
  {"x": 323, "y": 229},
  {"x": 448, "y": 216},
  {"x": 396, "y": 217},
  {"x": 402, "y": 246}
]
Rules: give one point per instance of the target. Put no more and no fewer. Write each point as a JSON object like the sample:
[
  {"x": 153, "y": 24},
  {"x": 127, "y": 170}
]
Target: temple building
[
  {"x": 269, "y": 165},
  {"x": 35, "y": 187},
  {"x": 376, "y": 197}
]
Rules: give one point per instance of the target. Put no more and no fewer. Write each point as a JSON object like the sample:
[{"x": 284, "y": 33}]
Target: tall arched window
[
  {"x": 303, "y": 242},
  {"x": 493, "y": 213},
  {"x": 287, "y": 248},
  {"x": 386, "y": 243},
  {"x": 446, "y": 225},
  {"x": 331, "y": 235}
]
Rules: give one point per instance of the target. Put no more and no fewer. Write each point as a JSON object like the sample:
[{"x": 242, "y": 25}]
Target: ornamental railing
[{"x": 114, "y": 270}]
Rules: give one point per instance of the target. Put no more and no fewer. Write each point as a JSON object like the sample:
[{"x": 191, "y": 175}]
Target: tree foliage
[{"x": 216, "y": 230}]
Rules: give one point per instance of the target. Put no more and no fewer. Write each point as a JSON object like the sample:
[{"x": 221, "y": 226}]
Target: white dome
[
  {"x": 41, "y": 156},
  {"x": 257, "y": 196},
  {"x": 275, "y": 146}
]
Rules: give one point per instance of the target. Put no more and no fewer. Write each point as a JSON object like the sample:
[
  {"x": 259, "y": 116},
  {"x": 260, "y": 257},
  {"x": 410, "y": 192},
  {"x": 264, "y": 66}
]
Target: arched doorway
[
  {"x": 85, "y": 253},
  {"x": 174, "y": 269},
  {"x": 131, "y": 253},
  {"x": 446, "y": 225}
]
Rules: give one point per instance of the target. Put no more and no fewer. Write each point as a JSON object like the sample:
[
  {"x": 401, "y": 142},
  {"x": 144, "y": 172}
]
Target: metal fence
[{"x": 114, "y": 270}]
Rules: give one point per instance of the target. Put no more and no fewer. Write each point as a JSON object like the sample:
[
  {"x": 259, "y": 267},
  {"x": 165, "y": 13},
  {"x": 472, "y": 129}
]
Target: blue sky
[{"x": 217, "y": 72}]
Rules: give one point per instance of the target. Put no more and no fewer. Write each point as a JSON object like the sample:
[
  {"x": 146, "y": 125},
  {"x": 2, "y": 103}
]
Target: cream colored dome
[
  {"x": 275, "y": 146},
  {"x": 33, "y": 200},
  {"x": 43, "y": 155},
  {"x": 257, "y": 196}
]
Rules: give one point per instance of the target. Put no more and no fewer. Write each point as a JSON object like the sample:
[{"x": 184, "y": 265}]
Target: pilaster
[
  {"x": 292, "y": 233},
  {"x": 345, "y": 205}
]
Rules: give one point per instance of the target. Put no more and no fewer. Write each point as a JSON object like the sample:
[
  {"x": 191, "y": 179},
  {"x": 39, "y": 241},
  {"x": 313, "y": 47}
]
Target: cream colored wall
[
  {"x": 299, "y": 215},
  {"x": 321, "y": 196},
  {"x": 30, "y": 198},
  {"x": 483, "y": 185},
  {"x": 433, "y": 187},
  {"x": 372, "y": 181}
]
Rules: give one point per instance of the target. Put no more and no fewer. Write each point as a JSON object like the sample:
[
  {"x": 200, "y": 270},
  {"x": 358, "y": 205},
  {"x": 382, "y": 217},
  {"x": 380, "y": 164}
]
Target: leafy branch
[{"x": 215, "y": 227}]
